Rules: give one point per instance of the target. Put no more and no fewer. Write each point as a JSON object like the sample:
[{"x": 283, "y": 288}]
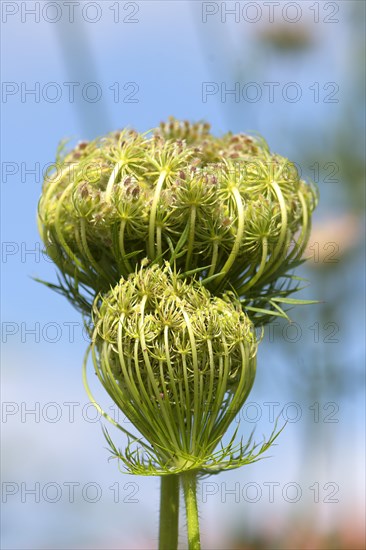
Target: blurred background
[{"x": 293, "y": 72}]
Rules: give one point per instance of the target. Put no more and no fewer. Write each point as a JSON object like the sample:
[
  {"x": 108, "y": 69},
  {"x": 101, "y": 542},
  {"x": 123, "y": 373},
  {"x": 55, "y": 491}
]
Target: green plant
[
  {"x": 226, "y": 208},
  {"x": 175, "y": 245}
]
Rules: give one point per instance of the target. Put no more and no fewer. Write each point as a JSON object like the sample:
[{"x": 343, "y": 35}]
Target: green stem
[
  {"x": 88, "y": 254},
  {"x": 121, "y": 240},
  {"x": 159, "y": 242},
  {"x": 261, "y": 268},
  {"x": 169, "y": 512},
  {"x": 192, "y": 223},
  {"x": 278, "y": 251},
  {"x": 154, "y": 207},
  {"x": 239, "y": 235},
  {"x": 215, "y": 252},
  {"x": 189, "y": 481},
  {"x": 112, "y": 179}
]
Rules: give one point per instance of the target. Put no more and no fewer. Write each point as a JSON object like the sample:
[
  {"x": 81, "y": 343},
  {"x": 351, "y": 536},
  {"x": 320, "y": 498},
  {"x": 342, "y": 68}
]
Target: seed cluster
[
  {"x": 226, "y": 208},
  {"x": 178, "y": 361}
]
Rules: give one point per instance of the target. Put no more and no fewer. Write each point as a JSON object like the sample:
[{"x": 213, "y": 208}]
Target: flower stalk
[
  {"x": 189, "y": 482},
  {"x": 169, "y": 512}
]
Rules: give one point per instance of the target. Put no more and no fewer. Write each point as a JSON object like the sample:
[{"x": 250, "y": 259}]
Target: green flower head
[
  {"x": 178, "y": 362},
  {"x": 224, "y": 208}
]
